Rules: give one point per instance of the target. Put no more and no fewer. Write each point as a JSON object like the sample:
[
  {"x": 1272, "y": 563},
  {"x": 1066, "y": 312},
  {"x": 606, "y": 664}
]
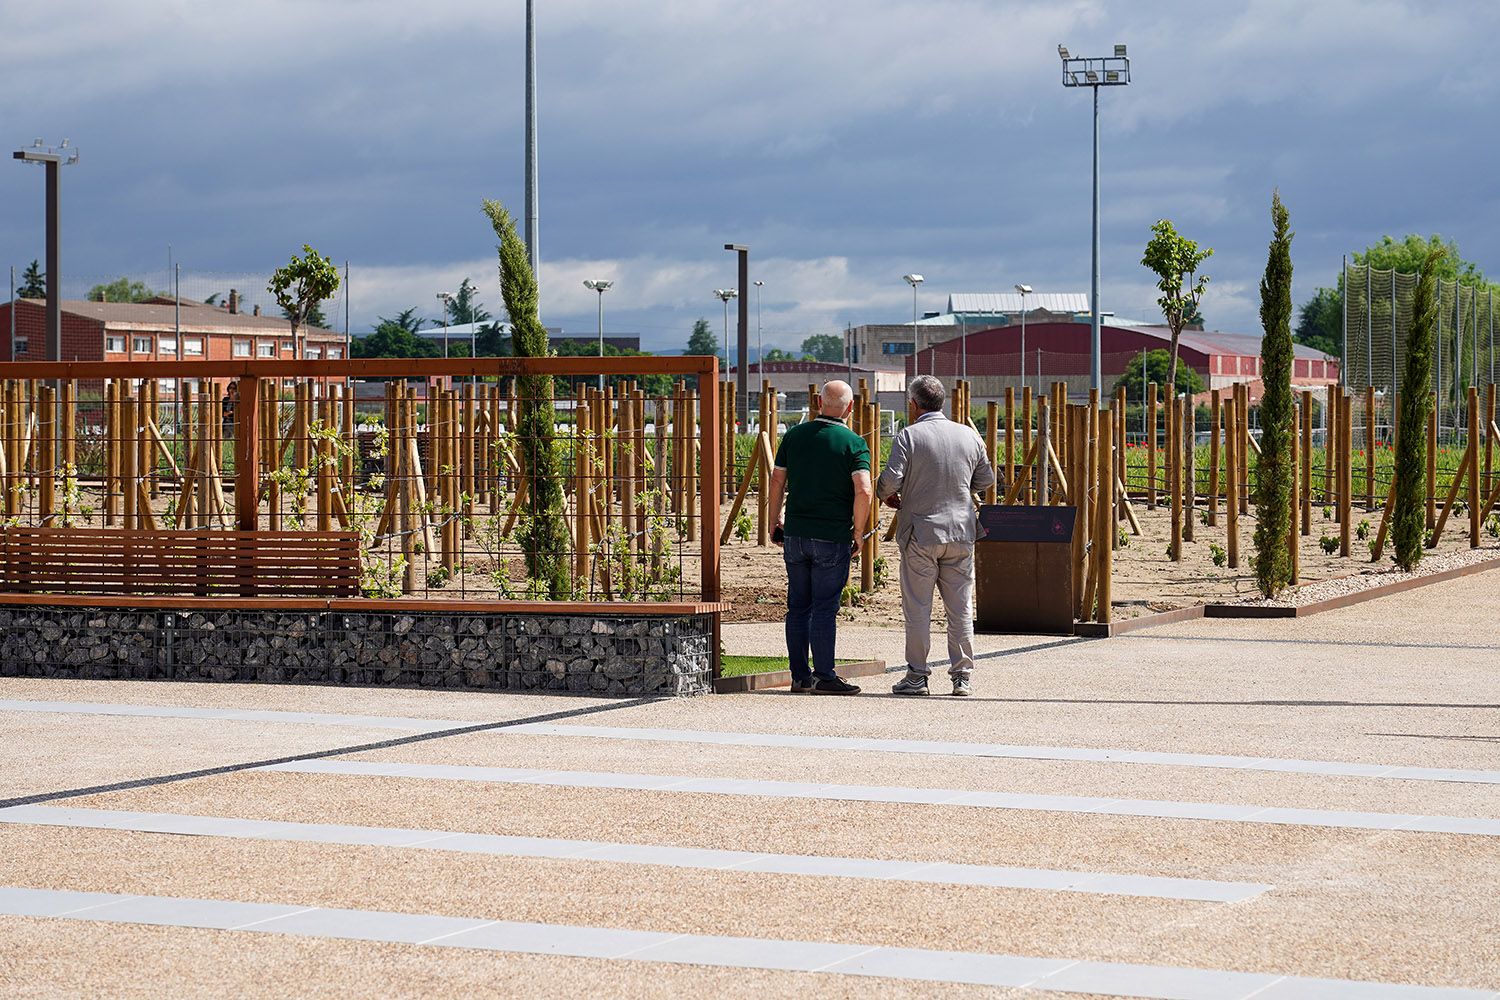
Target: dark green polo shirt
[{"x": 820, "y": 458}]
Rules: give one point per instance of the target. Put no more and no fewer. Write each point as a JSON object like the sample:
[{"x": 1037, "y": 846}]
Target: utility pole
[{"x": 532, "y": 254}]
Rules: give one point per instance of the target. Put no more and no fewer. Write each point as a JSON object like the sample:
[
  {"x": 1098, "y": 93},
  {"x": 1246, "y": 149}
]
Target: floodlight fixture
[
  {"x": 913, "y": 279},
  {"x": 916, "y": 344},
  {"x": 725, "y": 294},
  {"x": 1024, "y": 290},
  {"x": 595, "y": 285},
  {"x": 1095, "y": 72}
]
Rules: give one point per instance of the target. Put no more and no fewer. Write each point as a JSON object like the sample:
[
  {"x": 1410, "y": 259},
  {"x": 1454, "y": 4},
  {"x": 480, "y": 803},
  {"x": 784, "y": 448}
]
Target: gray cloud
[{"x": 846, "y": 141}]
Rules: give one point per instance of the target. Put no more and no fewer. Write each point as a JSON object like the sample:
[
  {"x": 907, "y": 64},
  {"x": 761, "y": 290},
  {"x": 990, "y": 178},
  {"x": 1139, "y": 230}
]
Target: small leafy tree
[
  {"x": 702, "y": 340},
  {"x": 1275, "y": 469},
  {"x": 824, "y": 347},
  {"x": 33, "y": 282},
  {"x": 1157, "y": 365},
  {"x": 543, "y": 534},
  {"x": 120, "y": 290},
  {"x": 1175, "y": 260},
  {"x": 1408, "y": 529},
  {"x": 300, "y": 285},
  {"x": 464, "y": 307}
]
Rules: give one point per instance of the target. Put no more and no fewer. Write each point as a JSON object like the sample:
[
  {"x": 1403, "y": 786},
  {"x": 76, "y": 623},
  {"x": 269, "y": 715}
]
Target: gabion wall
[{"x": 600, "y": 655}]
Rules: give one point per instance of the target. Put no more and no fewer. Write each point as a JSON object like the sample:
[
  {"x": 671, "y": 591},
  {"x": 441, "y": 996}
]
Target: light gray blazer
[{"x": 937, "y": 466}]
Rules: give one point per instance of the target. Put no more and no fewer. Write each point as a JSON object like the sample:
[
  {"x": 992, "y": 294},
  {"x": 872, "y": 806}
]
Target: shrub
[
  {"x": 1220, "y": 557},
  {"x": 1275, "y": 469},
  {"x": 1330, "y": 543},
  {"x": 1408, "y": 529}
]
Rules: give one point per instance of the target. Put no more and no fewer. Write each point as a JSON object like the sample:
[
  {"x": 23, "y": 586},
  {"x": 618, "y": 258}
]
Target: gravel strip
[{"x": 1323, "y": 590}]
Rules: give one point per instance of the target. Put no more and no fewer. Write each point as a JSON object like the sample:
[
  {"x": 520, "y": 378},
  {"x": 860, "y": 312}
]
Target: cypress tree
[
  {"x": 1408, "y": 507},
  {"x": 542, "y": 532},
  {"x": 1273, "y": 487}
]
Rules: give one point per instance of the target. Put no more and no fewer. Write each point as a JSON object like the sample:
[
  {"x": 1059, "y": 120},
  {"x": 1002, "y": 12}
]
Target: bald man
[{"x": 823, "y": 471}]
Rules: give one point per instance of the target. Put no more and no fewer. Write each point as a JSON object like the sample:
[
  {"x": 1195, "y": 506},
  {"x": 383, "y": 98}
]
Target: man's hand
[
  {"x": 778, "y": 534},
  {"x": 893, "y": 501}
]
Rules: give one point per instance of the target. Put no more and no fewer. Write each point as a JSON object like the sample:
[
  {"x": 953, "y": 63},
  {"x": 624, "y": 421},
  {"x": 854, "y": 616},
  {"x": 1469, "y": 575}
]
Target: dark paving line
[{"x": 164, "y": 779}]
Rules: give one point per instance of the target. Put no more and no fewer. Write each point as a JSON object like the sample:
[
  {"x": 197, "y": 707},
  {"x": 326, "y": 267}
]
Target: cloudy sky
[{"x": 845, "y": 141}]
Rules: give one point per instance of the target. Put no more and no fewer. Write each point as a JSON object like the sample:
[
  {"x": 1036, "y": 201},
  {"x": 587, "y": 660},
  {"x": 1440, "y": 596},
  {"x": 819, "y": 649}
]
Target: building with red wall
[
  {"x": 992, "y": 358},
  {"x": 149, "y": 331}
]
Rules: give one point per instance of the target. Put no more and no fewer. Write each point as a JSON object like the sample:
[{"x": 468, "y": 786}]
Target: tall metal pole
[
  {"x": 11, "y": 353},
  {"x": 963, "y": 348},
  {"x": 1369, "y": 330},
  {"x": 1096, "y": 379},
  {"x": 531, "y": 190},
  {"x": 348, "y": 343},
  {"x": 601, "y": 338},
  {"x": 1344, "y": 302},
  {"x": 1395, "y": 369},
  {"x": 54, "y": 267},
  {"x": 759, "y": 347},
  {"x": 742, "y": 376},
  {"x": 1023, "y": 344},
  {"x": 916, "y": 345}
]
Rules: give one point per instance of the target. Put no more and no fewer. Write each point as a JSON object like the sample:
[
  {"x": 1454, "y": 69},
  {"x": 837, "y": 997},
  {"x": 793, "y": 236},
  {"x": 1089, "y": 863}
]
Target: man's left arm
[
  {"x": 863, "y": 495},
  {"x": 777, "y": 492}
]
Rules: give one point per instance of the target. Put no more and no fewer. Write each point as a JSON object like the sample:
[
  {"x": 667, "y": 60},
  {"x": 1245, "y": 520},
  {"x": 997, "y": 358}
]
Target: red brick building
[{"x": 149, "y": 331}]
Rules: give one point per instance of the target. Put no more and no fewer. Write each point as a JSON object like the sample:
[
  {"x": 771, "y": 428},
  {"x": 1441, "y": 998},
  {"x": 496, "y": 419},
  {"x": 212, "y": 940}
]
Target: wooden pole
[
  {"x": 1104, "y": 539},
  {"x": 1432, "y": 437},
  {"x": 1293, "y": 537},
  {"x": 1473, "y": 453},
  {"x": 708, "y": 507},
  {"x": 1030, "y": 487},
  {"x": 1188, "y": 430},
  {"x": 1042, "y": 473},
  {"x": 991, "y": 418},
  {"x": 246, "y": 455},
  {"x": 1243, "y": 448},
  {"x": 1151, "y": 446},
  {"x": 1307, "y": 461},
  {"x": 1010, "y": 439},
  {"x": 762, "y": 479},
  {"x": 1346, "y": 471},
  {"x": 1214, "y": 406},
  {"x": 1370, "y": 416},
  {"x": 1232, "y": 445},
  {"x": 1331, "y": 448}
]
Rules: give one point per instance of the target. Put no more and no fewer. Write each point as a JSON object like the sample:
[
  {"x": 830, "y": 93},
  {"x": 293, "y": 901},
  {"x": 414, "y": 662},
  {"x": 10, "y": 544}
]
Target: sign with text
[
  {"x": 1023, "y": 569},
  {"x": 1018, "y": 523}
]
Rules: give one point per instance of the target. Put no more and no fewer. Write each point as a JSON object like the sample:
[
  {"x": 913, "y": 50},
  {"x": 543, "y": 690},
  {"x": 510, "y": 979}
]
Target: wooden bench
[{"x": 195, "y": 563}]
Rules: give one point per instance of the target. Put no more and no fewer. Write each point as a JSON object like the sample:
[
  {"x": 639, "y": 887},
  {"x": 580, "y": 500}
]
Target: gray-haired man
[{"x": 936, "y": 467}]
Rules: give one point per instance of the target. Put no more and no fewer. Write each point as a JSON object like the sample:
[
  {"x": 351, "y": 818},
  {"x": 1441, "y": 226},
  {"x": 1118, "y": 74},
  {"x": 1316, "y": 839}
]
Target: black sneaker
[
  {"x": 836, "y": 686},
  {"x": 802, "y": 687}
]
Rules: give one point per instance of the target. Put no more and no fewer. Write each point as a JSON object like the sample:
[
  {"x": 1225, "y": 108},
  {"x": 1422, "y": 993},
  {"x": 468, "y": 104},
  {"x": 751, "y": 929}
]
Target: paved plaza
[{"x": 1214, "y": 809}]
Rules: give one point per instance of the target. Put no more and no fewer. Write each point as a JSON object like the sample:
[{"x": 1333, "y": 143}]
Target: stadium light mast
[
  {"x": 1095, "y": 72},
  {"x": 725, "y": 295},
  {"x": 52, "y": 160}
]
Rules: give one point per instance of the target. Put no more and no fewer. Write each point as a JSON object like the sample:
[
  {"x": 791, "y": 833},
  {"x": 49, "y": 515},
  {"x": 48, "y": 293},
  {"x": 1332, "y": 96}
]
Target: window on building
[
  {"x": 168, "y": 346},
  {"x": 115, "y": 344},
  {"x": 241, "y": 348},
  {"x": 19, "y": 346},
  {"x": 286, "y": 345},
  {"x": 192, "y": 345},
  {"x": 140, "y": 345},
  {"x": 335, "y": 353},
  {"x": 265, "y": 349},
  {"x": 314, "y": 353},
  {"x": 898, "y": 347}
]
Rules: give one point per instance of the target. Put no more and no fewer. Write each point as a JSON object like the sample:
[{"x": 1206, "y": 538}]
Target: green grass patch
[{"x": 739, "y": 666}]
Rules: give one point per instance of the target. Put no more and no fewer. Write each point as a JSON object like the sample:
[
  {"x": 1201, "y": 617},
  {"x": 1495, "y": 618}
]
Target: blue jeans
[{"x": 816, "y": 572}]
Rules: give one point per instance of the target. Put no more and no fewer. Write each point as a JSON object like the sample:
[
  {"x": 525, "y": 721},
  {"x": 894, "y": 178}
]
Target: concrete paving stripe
[
  {"x": 989, "y": 876},
  {"x": 228, "y": 714},
  {"x": 947, "y": 748},
  {"x": 941, "y": 748},
  {"x": 885, "y": 793},
  {"x": 1158, "y": 982}
]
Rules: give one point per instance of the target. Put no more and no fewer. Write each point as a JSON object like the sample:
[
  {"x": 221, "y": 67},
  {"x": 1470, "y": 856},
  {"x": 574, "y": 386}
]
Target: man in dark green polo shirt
[{"x": 823, "y": 470}]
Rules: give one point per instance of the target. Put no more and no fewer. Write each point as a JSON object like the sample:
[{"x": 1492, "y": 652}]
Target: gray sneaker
[
  {"x": 912, "y": 683},
  {"x": 961, "y": 687}
]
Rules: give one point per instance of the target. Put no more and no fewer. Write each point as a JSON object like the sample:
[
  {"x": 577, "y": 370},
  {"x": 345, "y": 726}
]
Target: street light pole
[
  {"x": 916, "y": 345},
  {"x": 725, "y": 294},
  {"x": 52, "y": 160},
  {"x": 1025, "y": 290},
  {"x": 1108, "y": 71},
  {"x": 600, "y": 286},
  {"x": 760, "y": 354}
]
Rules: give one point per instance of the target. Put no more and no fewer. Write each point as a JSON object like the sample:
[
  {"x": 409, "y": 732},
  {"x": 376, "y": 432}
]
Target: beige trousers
[{"x": 949, "y": 568}]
